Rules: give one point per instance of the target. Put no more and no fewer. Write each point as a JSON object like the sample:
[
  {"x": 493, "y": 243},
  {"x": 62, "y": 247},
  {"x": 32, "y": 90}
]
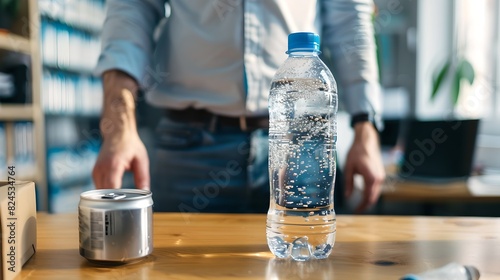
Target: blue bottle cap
[{"x": 303, "y": 41}]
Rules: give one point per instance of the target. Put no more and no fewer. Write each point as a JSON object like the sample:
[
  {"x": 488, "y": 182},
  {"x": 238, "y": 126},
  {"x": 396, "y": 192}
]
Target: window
[{"x": 478, "y": 29}]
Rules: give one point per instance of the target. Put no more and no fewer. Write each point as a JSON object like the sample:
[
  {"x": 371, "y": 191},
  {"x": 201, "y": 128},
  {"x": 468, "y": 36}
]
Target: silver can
[{"x": 115, "y": 225}]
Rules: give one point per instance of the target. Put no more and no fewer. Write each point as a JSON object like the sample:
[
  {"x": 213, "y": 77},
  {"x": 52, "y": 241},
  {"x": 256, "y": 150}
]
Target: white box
[{"x": 17, "y": 226}]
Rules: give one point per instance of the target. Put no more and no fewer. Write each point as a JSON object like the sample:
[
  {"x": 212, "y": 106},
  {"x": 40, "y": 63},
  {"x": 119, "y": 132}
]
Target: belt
[{"x": 214, "y": 121}]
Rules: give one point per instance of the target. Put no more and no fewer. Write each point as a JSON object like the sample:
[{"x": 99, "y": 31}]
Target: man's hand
[
  {"x": 364, "y": 158},
  {"x": 122, "y": 149},
  {"x": 117, "y": 156}
]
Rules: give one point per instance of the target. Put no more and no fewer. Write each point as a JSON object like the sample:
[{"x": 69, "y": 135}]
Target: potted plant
[
  {"x": 443, "y": 149},
  {"x": 8, "y": 13}
]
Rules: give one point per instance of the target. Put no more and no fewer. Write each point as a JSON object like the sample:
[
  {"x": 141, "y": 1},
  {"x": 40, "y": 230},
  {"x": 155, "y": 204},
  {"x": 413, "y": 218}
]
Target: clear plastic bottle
[
  {"x": 302, "y": 142},
  {"x": 451, "y": 271}
]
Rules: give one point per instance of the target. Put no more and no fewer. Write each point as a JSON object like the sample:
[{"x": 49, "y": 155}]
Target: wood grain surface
[
  {"x": 396, "y": 189},
  {"x": 230, "y": 246}
]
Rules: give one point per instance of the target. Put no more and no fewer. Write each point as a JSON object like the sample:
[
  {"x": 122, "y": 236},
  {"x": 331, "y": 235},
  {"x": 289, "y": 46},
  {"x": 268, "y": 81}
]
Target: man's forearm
[
  {"x": 122, "y": 149},
  {"x": 365, "y": 132},
  {"x": 118, "y": 115}
]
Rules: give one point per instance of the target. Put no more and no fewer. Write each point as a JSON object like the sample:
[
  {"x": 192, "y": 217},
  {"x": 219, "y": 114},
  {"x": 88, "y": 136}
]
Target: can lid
[{"x": 115, "y": 195}]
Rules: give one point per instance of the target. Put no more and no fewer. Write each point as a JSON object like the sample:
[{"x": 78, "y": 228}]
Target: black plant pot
[{"x": 442, "y": 149}]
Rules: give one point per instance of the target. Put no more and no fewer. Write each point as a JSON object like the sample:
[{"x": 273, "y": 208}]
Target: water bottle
[
  {"x": 302, "y": 143},
  {"x": 451, "y": 271}
]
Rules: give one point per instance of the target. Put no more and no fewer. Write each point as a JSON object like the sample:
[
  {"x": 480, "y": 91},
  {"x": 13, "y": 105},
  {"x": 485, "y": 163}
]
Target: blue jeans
[{"x": 199, "y": 170}]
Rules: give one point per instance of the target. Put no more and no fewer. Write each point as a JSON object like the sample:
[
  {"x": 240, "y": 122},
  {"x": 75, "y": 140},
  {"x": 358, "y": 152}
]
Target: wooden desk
[
  {"x": 396, "y": 189},
  {"x": 211, "y": 246}
]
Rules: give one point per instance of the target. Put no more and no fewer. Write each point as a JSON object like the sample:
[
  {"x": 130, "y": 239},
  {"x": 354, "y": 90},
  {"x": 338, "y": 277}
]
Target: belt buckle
[{"x": 243, "y": 123}]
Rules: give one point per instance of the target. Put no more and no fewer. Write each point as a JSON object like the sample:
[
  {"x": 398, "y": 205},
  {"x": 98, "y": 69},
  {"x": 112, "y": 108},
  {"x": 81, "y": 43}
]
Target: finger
[
  {"x": 375, "y": 193},
  {"x": 113, "y": 178},
  {"x": 349, "y": 178},
  {"x": 140, "y": 168},
  {"x": 367, "y": 194},
  {"x": 96, "y": 176}
]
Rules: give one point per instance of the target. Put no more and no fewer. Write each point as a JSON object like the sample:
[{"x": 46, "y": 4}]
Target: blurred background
[{"x": 439, "y": 71}]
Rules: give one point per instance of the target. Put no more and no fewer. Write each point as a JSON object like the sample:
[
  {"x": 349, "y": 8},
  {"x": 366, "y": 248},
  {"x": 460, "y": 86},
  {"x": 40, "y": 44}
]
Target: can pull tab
[{"x": 113, "y": 195}]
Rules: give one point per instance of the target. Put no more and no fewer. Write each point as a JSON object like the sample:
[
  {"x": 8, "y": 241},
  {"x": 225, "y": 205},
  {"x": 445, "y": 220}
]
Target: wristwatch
[{"x": 365, "y": 117}]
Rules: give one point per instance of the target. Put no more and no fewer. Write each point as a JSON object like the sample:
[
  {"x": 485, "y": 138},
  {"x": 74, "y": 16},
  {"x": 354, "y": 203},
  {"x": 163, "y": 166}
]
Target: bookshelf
[
  {"x": 15, "y": 43},
  {"x": 71, "y": 96},
  {"x": 23, "y": 38},
  {"x": 59, "y": 118},
  {"x": 16, "y": 112}
]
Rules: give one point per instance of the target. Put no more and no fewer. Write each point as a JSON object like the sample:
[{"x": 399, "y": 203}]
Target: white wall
[
  {"x": 477, "y": 37},
  {"x": 434, "y": 45}
]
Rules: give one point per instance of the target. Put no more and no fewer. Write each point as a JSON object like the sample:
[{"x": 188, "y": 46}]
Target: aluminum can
[{"x": 115, "y": 225}]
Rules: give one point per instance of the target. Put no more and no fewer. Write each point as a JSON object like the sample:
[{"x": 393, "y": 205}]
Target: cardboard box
[{"x": 17, "y": 226}]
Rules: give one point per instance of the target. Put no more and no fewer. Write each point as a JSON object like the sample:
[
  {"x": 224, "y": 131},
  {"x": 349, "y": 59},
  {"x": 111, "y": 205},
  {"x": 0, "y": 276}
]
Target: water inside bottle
[{"x": 302, "y": 137}]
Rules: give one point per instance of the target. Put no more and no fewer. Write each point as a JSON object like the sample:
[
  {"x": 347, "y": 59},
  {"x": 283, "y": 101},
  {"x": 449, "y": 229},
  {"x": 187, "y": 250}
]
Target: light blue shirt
[{"x": 221, "y": 55}]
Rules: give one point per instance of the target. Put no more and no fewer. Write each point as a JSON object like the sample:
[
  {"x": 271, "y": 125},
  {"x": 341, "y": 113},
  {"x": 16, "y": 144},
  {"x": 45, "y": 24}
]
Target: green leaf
[
  {"x": 455, "y": 86},
  {"x": 438, "y": 80},
  {"x": 464, "y": 71},
  {"x": 468, "y": 71}
]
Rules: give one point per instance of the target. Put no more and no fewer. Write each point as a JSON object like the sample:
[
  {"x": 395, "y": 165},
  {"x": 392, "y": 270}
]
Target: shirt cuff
[
  {"x": 126, "y": 57},
  {"x": 365, "y": 98}
]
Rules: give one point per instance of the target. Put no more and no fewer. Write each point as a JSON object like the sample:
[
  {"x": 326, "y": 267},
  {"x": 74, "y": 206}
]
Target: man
[{"x": 210, "y": 68}]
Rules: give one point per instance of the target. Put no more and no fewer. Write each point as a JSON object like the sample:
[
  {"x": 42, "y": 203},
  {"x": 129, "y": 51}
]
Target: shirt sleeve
[
  {"x": 348, "y": 34},
  {"x": 127, "y": 36}
]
